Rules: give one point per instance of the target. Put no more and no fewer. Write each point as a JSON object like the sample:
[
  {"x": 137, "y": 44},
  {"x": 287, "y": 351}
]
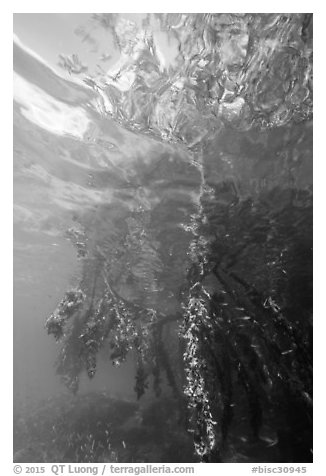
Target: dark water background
[{"x": 129, "y": 180}]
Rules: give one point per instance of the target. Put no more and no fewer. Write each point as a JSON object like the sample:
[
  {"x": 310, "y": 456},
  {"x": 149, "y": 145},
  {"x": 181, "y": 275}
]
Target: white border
[{"x": 319, "y": 196}]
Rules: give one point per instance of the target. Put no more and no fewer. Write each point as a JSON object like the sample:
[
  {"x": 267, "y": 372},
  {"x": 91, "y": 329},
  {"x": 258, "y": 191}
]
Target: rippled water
[{"x": 176, "y": 179}]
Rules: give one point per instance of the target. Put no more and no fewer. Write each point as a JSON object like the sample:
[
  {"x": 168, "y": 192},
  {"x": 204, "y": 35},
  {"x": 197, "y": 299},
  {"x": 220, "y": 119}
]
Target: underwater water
[{"x": 163, "y": 237}]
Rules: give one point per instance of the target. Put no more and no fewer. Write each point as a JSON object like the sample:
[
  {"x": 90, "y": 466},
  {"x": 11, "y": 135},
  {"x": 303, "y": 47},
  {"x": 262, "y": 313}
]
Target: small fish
[
  {"x": 287, "y": 352},
  {"x": 271, "y": 442}
]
